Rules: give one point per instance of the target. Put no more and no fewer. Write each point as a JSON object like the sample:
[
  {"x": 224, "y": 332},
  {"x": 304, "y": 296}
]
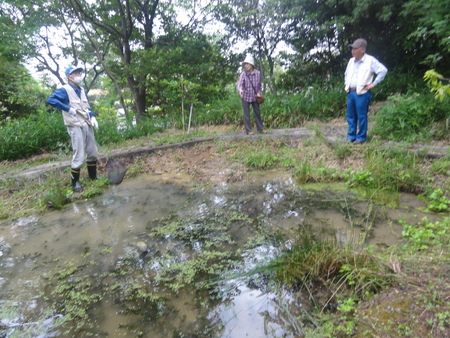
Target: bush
[
  {"x": 31, "y": 135},
  {"x": 317, "y": 102},
  {"x": 409, "y": 117},
  {"x": 109, "y": 131},
  {"x": 397, "y": 82},
  {"x": 321, "y": 102},
  {"x": 226, "y": 109},
  {"x": 46, "y": 132}
]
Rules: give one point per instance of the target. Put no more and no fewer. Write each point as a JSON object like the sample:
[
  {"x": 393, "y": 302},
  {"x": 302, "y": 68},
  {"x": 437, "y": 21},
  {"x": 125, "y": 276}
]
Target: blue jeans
[{"x": 357, "y": 109}]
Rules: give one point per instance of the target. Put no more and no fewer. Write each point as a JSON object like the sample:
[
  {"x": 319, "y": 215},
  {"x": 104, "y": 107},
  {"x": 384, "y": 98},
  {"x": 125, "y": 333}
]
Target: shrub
[
  {"x": 109, "y": 131},
  {"x": 31, "y": 135},
  {"x": 408, "y": 117},
  {"x": 321, "y": 102},
  {"x": 43, "y": 132}
]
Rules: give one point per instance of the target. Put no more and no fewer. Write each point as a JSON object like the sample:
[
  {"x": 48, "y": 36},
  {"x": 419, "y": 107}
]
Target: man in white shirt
[{"x": 359, "y": 80}]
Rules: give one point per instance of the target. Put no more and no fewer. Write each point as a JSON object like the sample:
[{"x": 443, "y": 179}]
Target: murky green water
[{"x": 155, "y": 257}]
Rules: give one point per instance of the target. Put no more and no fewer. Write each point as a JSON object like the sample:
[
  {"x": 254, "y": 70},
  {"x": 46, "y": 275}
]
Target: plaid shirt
[{"x": 245, "y": 85}]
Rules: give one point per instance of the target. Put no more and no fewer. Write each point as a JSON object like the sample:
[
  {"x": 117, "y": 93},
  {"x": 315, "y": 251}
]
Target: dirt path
[{"x": 333, "y": 133}]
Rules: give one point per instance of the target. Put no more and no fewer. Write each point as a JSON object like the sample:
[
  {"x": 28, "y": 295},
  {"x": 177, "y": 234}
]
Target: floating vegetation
[{"x": 269, "y": 259}]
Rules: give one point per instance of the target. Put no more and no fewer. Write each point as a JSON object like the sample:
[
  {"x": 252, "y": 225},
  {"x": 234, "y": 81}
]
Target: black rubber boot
[
  {"x": 75, "y": 176},
  {"x": 92, "y": 170}
]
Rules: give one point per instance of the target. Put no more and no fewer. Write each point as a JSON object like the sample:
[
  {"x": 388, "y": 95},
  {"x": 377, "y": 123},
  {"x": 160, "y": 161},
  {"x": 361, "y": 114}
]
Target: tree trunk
[{"x": 140, "y": 96}]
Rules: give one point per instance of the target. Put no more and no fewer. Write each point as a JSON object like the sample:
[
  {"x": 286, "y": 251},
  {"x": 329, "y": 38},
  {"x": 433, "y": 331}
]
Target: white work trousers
[{"x": 83, "y": 143}]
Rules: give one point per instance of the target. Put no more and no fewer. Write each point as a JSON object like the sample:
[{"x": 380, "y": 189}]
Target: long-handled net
[{"x": 116, "y": 170}]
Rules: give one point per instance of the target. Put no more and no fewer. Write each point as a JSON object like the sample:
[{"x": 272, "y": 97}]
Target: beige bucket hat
[{"x": 249, "y": 59}]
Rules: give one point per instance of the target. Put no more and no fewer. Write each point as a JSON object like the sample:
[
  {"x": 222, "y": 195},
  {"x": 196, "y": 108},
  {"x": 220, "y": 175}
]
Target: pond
[{"x": 158, "y": 257}]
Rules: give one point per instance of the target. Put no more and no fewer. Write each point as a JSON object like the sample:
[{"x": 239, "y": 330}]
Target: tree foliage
[
  {"x": 158, "y": 52},
  {"x": 438, "y": 87},
  {"x": 263, "y": 25},
  {"x": 431, "y": 30},
  {"x": 19, "y": 92}
]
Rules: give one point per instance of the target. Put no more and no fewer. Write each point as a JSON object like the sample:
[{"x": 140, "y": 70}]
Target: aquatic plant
[
  {"x": 71, "y": 291},
  {"x": 320, "y": 262},
  {"x": 200, "y": 270},
  {"x": 205, "y": 240},
  {"x": 133, "y": 294}
]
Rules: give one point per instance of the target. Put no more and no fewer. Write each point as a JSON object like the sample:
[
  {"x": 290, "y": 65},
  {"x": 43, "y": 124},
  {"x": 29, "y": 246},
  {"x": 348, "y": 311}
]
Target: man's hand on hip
[{"x": 370, "y": 86}]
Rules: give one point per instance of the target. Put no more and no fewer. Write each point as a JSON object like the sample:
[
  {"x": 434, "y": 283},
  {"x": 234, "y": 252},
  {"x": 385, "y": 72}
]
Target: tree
[
  {"x": 432, "y": 30},
  {"x": 50, "y": 38},
  {"x": 19, "y": 93},
  {"x": 187, "y": 66},
  {"x": 325, "y": 28},
  {"x": 264, "y": 25},
  {"x": 115, "y": 23},
  {"x": 129, "y": 28}
]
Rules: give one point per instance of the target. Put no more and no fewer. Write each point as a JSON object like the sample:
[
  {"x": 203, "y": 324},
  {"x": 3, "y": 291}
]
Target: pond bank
[
  {"x": 320, "y": 156},
  {"x": 334, "y": 134},
  {"x": 155, "y": 257}
]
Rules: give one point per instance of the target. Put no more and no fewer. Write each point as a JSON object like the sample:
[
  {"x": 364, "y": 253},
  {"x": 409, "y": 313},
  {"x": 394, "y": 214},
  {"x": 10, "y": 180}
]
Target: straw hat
[{"x": 249, "y": 59}]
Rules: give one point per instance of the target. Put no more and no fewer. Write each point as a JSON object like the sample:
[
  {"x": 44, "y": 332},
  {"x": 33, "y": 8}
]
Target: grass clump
[
  {"x": 23, "y": 196},
  {"x": 410, "y": 117},
  {"x": 387, "y": 170},
  {"x": 337, "y": 279},
  {"x": 313, "y": 261}
]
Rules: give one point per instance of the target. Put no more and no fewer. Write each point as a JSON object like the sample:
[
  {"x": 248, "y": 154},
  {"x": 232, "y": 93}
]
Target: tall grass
[
  {"x": 324, "y": 263},
  {"x": 394, "y": 171},
  {"x": 31, "y": 135},
  {"x": 285, "y": 110},
  {"x": 411, "y": 117},
  {"x": 45, "y": 132}
]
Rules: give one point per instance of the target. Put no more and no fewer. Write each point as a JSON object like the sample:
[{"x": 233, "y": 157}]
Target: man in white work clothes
[{"x": 79, "y": 121}]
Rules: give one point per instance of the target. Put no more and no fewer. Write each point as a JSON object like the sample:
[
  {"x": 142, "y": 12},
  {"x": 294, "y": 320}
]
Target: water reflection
[{"x": 199, "y": 244}]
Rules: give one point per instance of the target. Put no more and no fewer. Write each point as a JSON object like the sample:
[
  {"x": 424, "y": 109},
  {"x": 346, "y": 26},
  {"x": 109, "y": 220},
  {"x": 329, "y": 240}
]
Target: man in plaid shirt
[{"x": 249, "y": 87}]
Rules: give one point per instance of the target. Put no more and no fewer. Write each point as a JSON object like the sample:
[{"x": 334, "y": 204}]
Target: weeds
[
  {"x": 21, "y": 197},
  {"x": 407, "y": 117},
  {"x": 425, "y": 234},
  {"x": 441, "y": 166},
  {"x": 437, "y": 201},
  {"x": 389, "y": 171},
  {"x": 56, "y": 197},
  {"x": 312, "y": 261},
  {"x": 343, "y": 151},
  {"x": 261, "y": 161}
]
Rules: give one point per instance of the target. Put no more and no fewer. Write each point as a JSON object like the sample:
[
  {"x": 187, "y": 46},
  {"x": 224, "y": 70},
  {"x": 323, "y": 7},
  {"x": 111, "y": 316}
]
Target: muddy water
[{"x": 157, "y": 257}]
